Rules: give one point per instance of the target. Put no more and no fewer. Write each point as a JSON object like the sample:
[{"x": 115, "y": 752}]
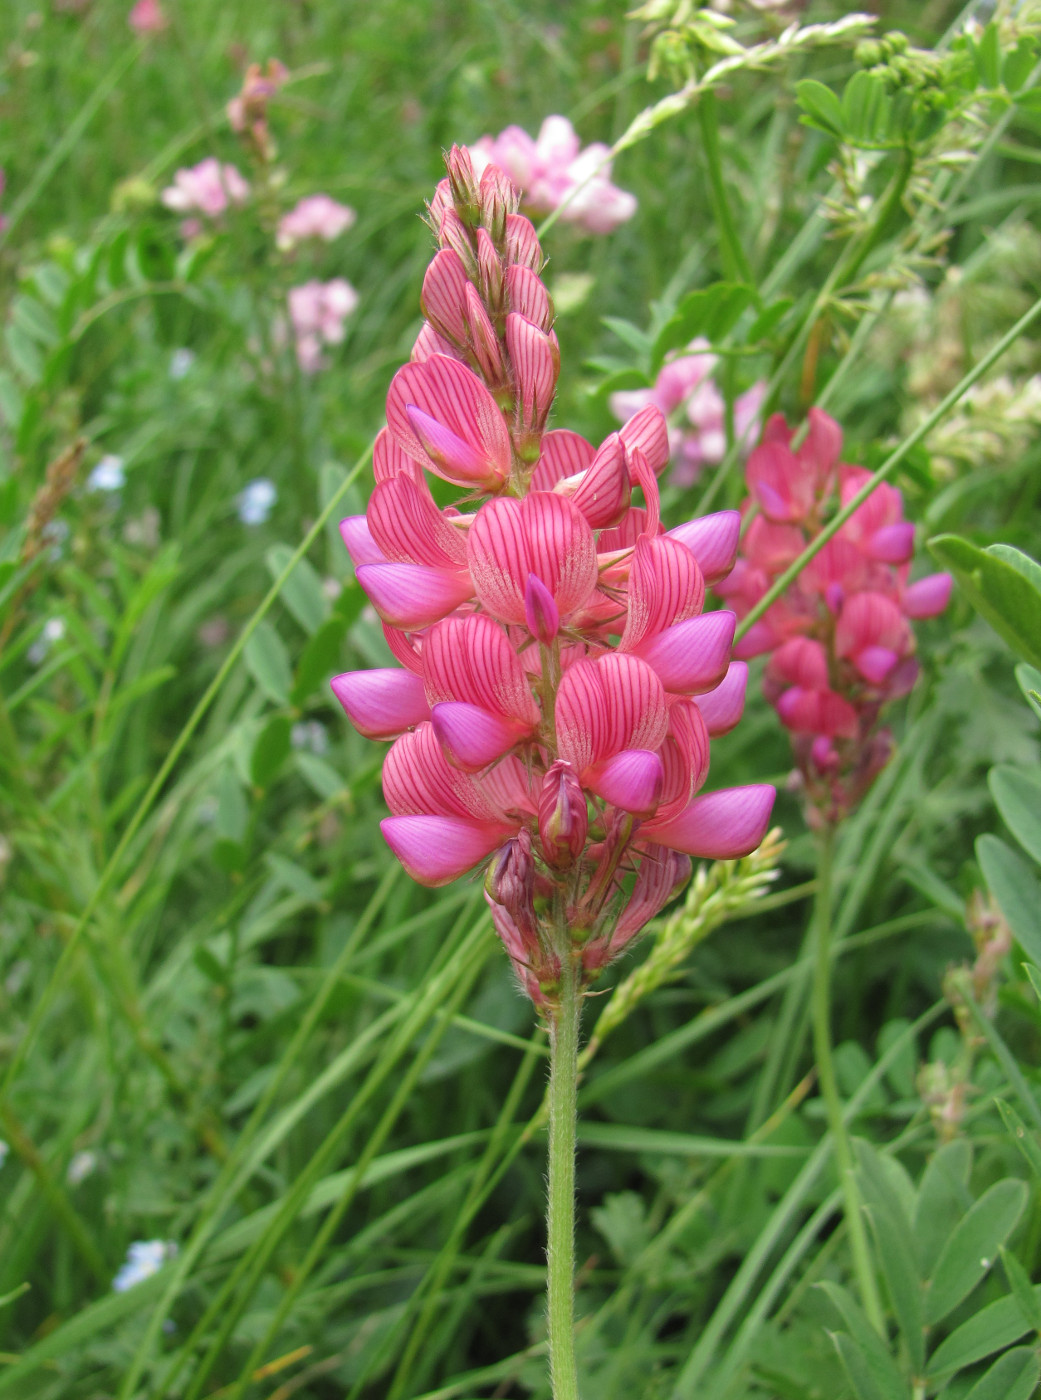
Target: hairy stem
[
  {"x": 862, "y": 1265},
  {"x": 560, "y": 1212}
]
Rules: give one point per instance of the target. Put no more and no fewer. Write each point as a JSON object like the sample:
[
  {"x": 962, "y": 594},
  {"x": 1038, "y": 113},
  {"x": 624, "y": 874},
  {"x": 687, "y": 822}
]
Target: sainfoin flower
[
  {"x": 316, "y": 216},
  {"x": 558, "y": 680},
  {"x": 551, "y": 167},
  {"x": 147, "y": 17},
  {"x": 207, "y": 188},
  {"x": 839, "y": 638},
  {"x": 686, "y": 393},
  {"x": 317, "y": 311}
]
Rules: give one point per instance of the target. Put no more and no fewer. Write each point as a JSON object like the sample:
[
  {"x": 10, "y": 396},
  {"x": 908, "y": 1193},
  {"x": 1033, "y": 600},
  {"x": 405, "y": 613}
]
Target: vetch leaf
[
  {"x": 711, "y": 312},
  {"x": 999, "y": 592},
  {"x": 1022, "y": 1289},
  {"x": 1022, "y": 1136},
  {"x": 992, "y": 1329},
  {"x": 820, "y": 106},
  {"x": 1014, "y": 885},
  {"x": 972, "y": 1249},
  {"x": 1018, "y": 798},
  {"x": 268, "y": 663},
  {"x": 895, "y": 1241},
  {"x": 1029, "y": 679},
  {"x": 320, "y": 659},
  {"x": 988, "y": 57},
  {"x": 1012, "y": 1377},
  {"x": 270, "y": 750},
  {"x": 871, "y": 1369},
  {"x": 302, "y": 590},
  {"x": 943, "y": 1199},
  {"x": 208, "y": 965}
]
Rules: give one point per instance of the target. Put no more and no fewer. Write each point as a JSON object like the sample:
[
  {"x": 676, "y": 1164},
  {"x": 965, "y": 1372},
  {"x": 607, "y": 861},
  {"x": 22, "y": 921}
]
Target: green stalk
[
  {"x": 560, "y": 1212},
  {"x": 731, "y": 253},
  {"x": 862, "y": 1265}
]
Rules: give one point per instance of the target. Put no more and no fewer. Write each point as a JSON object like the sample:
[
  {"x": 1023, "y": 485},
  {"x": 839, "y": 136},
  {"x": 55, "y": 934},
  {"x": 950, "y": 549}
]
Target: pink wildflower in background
[
  {"x": 317, "y": 311},
  {"x": 686, "y": 393},
  {"x": 147, "y": 17},
  {"x": 839, "y": 639},
  {"x": 316, "y": 216},
  {"x": 247, "y": 111},
  {"x": 549, "y": 168},
  {"x": 208, "y": 188},
  {"x": 558, "y": 679}
]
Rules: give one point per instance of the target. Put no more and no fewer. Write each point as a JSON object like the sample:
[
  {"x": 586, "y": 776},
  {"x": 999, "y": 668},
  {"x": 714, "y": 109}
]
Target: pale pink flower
[
  {"x": 551, "y": 168},
  {"x": 316, "y": 216},
  {"x": 208, "y": 188},
  {"x": 559, "y": 680},
  {"x": 147, "y": 17},
  {"x": 317, "y": 312}
]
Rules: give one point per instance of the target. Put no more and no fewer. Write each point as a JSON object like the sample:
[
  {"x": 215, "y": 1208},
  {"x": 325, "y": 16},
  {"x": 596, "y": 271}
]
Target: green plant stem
[
  {"x": 862, "y": 1265},
  {"x": 560, "y": 1213},
  {"x": 732, "y": 254}
]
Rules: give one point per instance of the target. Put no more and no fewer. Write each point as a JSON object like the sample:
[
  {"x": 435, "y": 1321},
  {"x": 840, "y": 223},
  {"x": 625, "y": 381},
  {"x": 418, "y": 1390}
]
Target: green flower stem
[
  {"x": 560, "y": 1213},
  {"x": 862, "y": 1265},
  {"x": 731, "y": 253}
]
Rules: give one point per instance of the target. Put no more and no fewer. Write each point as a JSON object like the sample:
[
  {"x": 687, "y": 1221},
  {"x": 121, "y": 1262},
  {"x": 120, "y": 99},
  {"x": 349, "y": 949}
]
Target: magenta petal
[
  {"x": 363, "y": 549},
  {"x": 718, "y": 825},
  {"x": 540, "y": 611},
  {"x": 383, "y": 703},
  {"x": 723, "y": 707},
  {"x": 457, "y": 459},
  {"x": 471, "y": 737},
  {"x": 760, "y": 637},
  {"x": 928, "y": 596},
  {"x": 713, "y": 541},
  {"x": 631, "y": 780},
  {"x": 692, "y": 656},
  {"x": 411, "y": 595},
  {"x": 892, "y": 544},
  {"x": 437, "y": 850},
  {"x": 875, "y": 663}
]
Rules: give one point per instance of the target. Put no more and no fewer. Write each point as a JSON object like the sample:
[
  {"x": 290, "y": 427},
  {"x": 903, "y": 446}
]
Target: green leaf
[
  {"x": 1018, "y": 65},
  {"x": 711, "y": 312},
  {"x": 320, "y": 659},
  {"x": 302, "y": 590},
  {"x": 232, "y": 808},
  {"x": 631, "y": 335},
  {"x": 943, "y": 1198},
  {"x": 992, "y": 1329},
  {"x": 1013, "y": 884},
  {"x": 998, "y": 591},
  {"x": 321, "y": 777},
  {"x": 268, "y": 663},
  {"x": 1022, "y": 1289},
  {"x": 767, "y": 322},
  {"x": 1034, "y": 976},
  {"x": 895, "y": 1240},
  {"x": 208, "y": 965},
  {"x": 1012, "y": 1377},
  {"x": 972, "y": 1249},
  {"x": 866, "y": 109},
  {"x": 294, "y": 878},
  {"x": 25, "y": 355},
  {"x": 270, "y": 750},
  {"x": 1018, "y": 798},
  {"x": 1030, "y": 100},
  {"x": 821, "y": 107},
  {"x": 1022, "y": 1136},
  {"x": 988, "y": 57},
  {"x": 1029, "y": 679},
  {"x": 865, "y": 1356}
]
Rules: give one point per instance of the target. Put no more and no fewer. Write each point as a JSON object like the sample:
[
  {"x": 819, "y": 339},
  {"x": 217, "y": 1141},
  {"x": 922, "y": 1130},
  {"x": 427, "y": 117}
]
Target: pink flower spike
[
  {"x": 892, "y": 544},
  {"x": 412, "y": 595},
  {"x": 363, "y": 549},
  {"x": 450, "y": 395},
  {"x": 928, "y": 596},
  {"x": 631, "y": 780},
  {"x": 692, "y": 656},
  {"x": 437, "y": 850},
  {"x": 718, "y": 825},
  {"x": 381, "y": 704},
  {"x": 472, "y": 737},
  {"x": 713, "y": 541},
  {"x": 723, "y": 707},
  {"x": 540, "y": 611}
]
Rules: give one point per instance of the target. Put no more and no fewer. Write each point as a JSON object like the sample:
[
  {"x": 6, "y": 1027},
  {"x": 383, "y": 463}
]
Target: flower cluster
[
  {"x": 686, "y": 393},
  {"x": 840, "y": 638},
  {"x": 147, "y": 17},
  {"x": 549, "y": 170},
  {"x": 208, "y": 188},
  {"x": 559, "y": 680},
  {"x": 315, "y": 216},
  {"x": 317, "y": 311}
]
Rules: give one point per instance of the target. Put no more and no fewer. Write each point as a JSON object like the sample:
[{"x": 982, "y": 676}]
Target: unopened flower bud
[
  {"x": 498, "y": 197},
  {"x": 462, "y": 181},
  {"x": 540, "y": 611},
  {"x": 511, "y": 881},
  {"x": 563, "y": 819}
]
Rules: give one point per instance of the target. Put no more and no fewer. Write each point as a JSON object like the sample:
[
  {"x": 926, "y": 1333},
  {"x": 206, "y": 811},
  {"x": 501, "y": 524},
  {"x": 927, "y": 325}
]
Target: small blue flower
[
  {"x": 181, "y": 362},
  {"x": 256, "y": 500},
  {"x": 144, "y": 1258},
  {"x": 108, "y": 475}
]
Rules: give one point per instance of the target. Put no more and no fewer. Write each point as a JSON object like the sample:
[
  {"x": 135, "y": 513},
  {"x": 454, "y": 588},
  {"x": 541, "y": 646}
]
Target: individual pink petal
[
  {"x": 522, "y": 243},
  {"x": 472, "y": 737},
  {"x": 892, "y": 544},
  {"x": 443, "y": 299},
  {"x": 691, "y": 656},
  {"x": 801, "y": 661},
  {"x": 563, "y": 454},
  {"x": 876, "y": 664},
  {"x": 412, "y": 595},
  {"x": 536, "y": 363},
  {"x": 648, "y": 431},
  {"x": 870, "y": 619},
  {"x": 544, "y": 534},
  {"x": 637, "y": 717},
  {"x": 540, "y": 611},
  {"x": 644, "y": 477},
  {"x": 581, "y": 716},
  {"x": 483, "y": 340},
  {"x": 563, "y": 817},
  {"x": 723, "y": 707},
  {"x": 665, "y": 586},
  {"x": 662, "y": 875},
  {"x": 631, "y": 780},
  {"x": 436, "y": 850},
  {"x": 821, "y": 447},
  {"x": 928, "y": 596},
  {"x": 428, "y": 343},
  {"x": 403, "y": 647},
  {"x": 759, "y": 638},
  {"x": 527, "y": 296},
  {"x": 363, "y": 549},
  {"x": 388, "y": 460},
  {"x": 713, "y": 541},
  {"x": 409, "y": 529},
  {"x": 452, "y": 456},
  {"x": 382, "y": 703},
  {"x": 782, "y": 488},
  {"x": 418, "y": 780},
  {"x": 470, "y": 658},
  {"x": 718, "y": 825},
  {"x": 491, "y": 273},
  {"x": 685, "y": 757},
  {"x": 603, "y": 493},
  {"x": 818, "y": 712},
  {"x": 451, "y": 395}
]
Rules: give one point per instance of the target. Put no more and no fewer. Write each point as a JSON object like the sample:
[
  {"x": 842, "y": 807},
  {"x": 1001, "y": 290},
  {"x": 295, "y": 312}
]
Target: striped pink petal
[
  {"x": 817, "y": 712},
  {"x": 692, "y": 656},
  {"x": 801, "y": 661},
  {"x": 403, "y": 647},
  {"x": 665, "y": 586},
  {"x": 412, "y": 595},
  {"x": 644, "y": 477},
  {"x": 563, "y": 454},
  {"x": 648, "y": 431},
  {"x": 713, "y": 541},
  {"x": 409, "y": 529},
  {"x": 443, "y": 298},
  {"x": 662, "y": 874},
  {"x": 821, "y": 447},
  {"x": 606, "y": 706},
  {"x": 631, "y": 780},
  {"x": 418, "y": 780},
  {"x": 544, "y": 534},
  {"x": 472, "y": 737},
  {"x": 356, "y": 535},
  {"x": 718, "y": 825},
  {"x": 723, "y": 707},
  {"x": 483, "y": 340},
  {"x": 388, "y": 460},
  {"x": 471, "y": 659},
  {"x": 603, "y": 493},
  {"x": 536, "y": 364},
  {"x": 892, "y": 544},
  {"x": 870, "y": 619},
  {"x": 447, "y": 393},
  {"x": 540, "y": 611},
  {"x": 428, "y": 343},
  {"x": 528, "y": 297},
  {"x": 491, "y": 273},
  {"x": 522, "y": 243},
  {"x": 382, "y": 703},
  {"x": 437, "y": 850},
  {"x": 685, "y": 757}
]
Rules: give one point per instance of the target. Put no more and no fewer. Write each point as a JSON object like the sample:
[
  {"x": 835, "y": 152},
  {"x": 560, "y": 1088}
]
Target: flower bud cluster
[
  {"x": 839, "y": 639},
  {"x": 558, "y": 680}
]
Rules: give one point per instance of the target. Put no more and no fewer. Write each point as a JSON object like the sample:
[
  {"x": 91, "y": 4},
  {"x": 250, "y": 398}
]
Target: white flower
[
  {"x": 81, "y": 1166},
  {"x": 310, "y": 735},
  {"x": 53, "y": 631},
  {"x": 181, "y": 362},
  {"x": 256, "y": 500},
  {"x": 144, "y": 1258},
  {"x": 108, "y": 475}
]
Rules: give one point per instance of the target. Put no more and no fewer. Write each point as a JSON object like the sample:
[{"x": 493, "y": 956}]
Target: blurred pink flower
[
  {"x": 317, "y": 311},
  {"x": 316, "y": 216},
  {"x": 690, "y": 399},
  {"x": 207, "y": 188},
  {"x": 147, "y": 17},
  {"x": 549, "y": 169}
]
